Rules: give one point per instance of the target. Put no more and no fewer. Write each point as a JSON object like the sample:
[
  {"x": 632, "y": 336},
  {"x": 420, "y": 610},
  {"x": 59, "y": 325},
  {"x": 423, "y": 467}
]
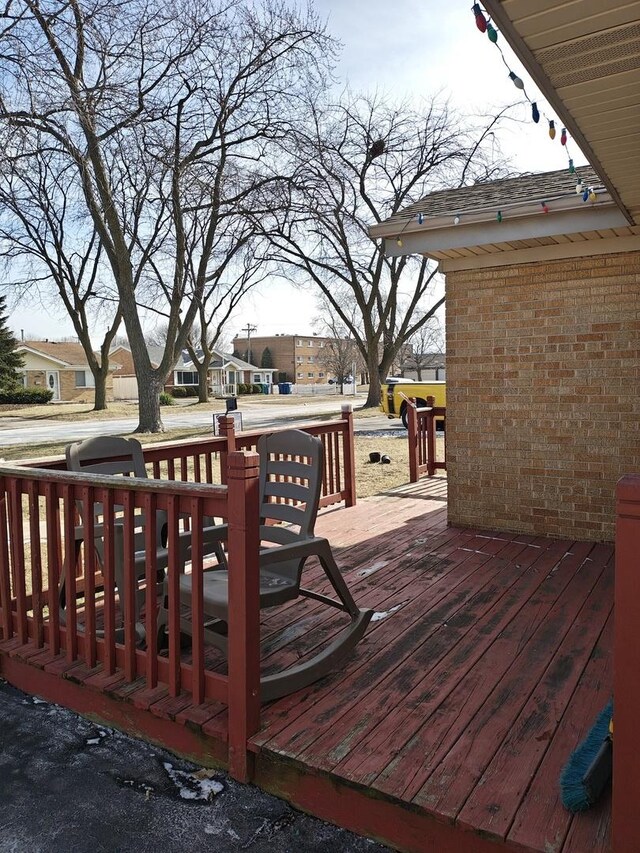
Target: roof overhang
[
  {"x": 57, "y": 361},
  {"x": 584, "y": 56},
  {"x": 524, "y": 234}
]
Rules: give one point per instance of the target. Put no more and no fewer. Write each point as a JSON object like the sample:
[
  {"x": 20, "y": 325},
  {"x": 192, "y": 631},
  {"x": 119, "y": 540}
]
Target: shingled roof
[
  {"x": 69, "y": 353},
  {"x": 508, "y": 194}
]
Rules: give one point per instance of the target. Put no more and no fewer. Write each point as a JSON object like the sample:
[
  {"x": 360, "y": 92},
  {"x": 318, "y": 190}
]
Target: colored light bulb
[
  {"x": 398, "y": 242},
  {"x": 579, "y": 187},
  {"x": 552, "y": 129},
  {"x": 517, "y": 82},
  {"x": 585, "y": 194},
  {"x": 592, "y": 194},
  {"x": 545, "y": 206},
  {"x": 420, "y": 218},
  {"x": 563, "y": 136},
  {"x": 492, "y": 33},
  {"x": 572, "y": 168},
  {"x": 499, "y": 216},
  {"x": 535, "y": 113},
  {"x": 456, "y": 220},
  {"x": 481, "y": 21}
]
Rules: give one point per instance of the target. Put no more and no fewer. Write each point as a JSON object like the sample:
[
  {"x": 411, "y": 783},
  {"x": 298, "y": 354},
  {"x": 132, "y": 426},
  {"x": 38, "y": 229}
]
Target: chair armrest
[{"x": 314, "y": 547}]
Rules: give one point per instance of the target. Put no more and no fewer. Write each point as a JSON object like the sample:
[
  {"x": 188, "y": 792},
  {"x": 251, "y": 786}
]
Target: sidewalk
[{"x": 69, "y": 785}]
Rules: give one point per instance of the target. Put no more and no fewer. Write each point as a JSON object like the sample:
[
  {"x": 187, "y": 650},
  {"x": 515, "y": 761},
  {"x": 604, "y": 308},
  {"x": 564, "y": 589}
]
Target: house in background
[
  {"x": 62, "y": 367},
  {"x": 226, "y": 373}
]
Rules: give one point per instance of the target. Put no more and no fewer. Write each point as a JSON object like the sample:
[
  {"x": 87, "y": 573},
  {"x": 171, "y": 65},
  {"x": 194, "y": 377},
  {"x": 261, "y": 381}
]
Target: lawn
[{"x": 370, "y": 478}]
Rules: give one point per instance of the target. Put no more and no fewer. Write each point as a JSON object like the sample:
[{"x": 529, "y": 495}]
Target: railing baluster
[
  {"x": 6, "y": 622},
  {"x": 197, "y": 609},
  {"x": 173, "y": 594},
  {"x": 130, "y": 592},
  {"x": 54, "y": 562},
  {"x": 17, "y": 561},
  {"x": 36, "y": 563},
  {"x": 89, "y": 562},
  {"x": 110, "y": 532},
  {"x": 151, "y": 581},
  {"x": 70, "y": 564}
]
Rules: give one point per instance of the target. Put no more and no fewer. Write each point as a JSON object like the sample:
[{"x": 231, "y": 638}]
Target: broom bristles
[{"x": 576, "y": 796}]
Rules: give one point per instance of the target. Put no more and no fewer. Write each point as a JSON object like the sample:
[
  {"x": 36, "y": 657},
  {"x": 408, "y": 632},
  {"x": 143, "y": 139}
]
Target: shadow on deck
[{"x": 488, "y": 658}]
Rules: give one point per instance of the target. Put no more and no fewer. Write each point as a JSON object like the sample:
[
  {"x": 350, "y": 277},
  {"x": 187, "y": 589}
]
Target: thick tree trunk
[
  {"x": 100, "y": 393},
  {"x": 149, "y": 388},
  {"x": 373, "y": 397},
  {"x": 203, "y": 382}
]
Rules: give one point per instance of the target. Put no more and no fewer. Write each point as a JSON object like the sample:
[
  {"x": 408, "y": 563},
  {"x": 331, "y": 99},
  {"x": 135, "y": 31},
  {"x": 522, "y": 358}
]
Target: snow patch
[
  {"x": 379, "y": 615},
  {"x": 198, "y": 786},
  {"x": 363, "y": 573}
]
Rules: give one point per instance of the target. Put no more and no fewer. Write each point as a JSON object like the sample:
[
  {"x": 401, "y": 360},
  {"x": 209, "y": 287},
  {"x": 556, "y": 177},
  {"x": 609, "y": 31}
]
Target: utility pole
[{"x": 248, "y": 329}]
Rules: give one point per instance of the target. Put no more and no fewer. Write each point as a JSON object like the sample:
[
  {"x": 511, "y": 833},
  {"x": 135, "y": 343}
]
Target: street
[{"x": 15, "y": 431}]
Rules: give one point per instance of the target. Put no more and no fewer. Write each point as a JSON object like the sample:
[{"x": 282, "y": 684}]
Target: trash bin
[
  {"x": 265, "y": 388},
  {"x": 284, "y": 387}
]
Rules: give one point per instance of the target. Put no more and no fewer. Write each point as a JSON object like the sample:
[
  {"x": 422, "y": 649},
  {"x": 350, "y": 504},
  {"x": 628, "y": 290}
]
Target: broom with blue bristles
[{"x": 589, "y": 767}]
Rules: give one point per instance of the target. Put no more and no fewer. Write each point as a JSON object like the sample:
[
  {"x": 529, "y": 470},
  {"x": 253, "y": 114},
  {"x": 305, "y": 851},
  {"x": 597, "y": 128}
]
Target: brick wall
[{"x": 543, "y": 402}]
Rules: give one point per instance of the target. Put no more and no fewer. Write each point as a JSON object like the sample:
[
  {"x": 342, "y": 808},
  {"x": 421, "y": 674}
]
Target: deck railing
[
  {"x": 203, "y": 460},
  {"x": 60, "y": 596},
  {"x": 626, "y": 680},
  {"x": 421, "y": 429},
  {"x": 56, "y": 594}
]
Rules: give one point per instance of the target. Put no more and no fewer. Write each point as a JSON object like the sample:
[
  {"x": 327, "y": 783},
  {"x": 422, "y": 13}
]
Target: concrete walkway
[{"x": 68, "y": 785}]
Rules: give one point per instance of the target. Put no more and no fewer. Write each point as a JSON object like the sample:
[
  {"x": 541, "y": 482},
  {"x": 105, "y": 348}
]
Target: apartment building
[{"x": 295, "y": 358}]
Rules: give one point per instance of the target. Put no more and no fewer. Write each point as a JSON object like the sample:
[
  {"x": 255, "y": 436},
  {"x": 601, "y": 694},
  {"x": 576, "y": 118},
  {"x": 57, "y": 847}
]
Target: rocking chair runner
[{"x": 291, "y": 466}]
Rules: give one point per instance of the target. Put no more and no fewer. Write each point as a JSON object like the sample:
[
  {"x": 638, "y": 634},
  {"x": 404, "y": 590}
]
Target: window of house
[
  {"x": 186, "y": 377},
  {"x": 312, "y": 359},
  {"x": 84, "y": 379},
  {"x": 321, "y": 374},
  {"x": 310, "y": 375},
  {"x": 257, "y": 377},
  {"x": 299, "y": 359},
  {"x": 310, "y": 343},
  {"x": 298, "y": 343},
  {"x": 300, "y": 375}
]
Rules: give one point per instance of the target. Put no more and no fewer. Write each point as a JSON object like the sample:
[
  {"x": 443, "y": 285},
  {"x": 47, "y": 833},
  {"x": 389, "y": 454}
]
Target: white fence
[{"x": 125, "y": 388}]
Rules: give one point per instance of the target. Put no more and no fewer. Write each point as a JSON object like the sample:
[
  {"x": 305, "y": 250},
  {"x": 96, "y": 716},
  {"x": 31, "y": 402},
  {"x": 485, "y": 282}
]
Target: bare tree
[
  {"x": 426, "y": 342},
  {"x": 148, "y": 105},
  {"x": 240, "y": 267},
  {"x": 45, "y": 238},
  {"x": 362, "y": 162}
]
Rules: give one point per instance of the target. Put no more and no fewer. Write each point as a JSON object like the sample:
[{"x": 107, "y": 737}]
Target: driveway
[{"x": 68, "y": 785}]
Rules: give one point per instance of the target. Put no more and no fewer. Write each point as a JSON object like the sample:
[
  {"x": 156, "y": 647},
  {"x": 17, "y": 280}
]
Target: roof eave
[
  {"x": 524, "y": 54},
  {"x": 481, "y": 232}
]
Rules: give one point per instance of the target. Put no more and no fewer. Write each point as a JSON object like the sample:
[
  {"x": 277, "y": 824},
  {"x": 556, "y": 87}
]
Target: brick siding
[{"x": 543, "y": 404}]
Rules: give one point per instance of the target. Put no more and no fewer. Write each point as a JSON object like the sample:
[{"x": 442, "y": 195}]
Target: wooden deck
[{"x": 488, "y": 658}]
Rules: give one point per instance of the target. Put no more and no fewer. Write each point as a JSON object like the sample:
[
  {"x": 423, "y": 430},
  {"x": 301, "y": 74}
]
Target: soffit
[{"x": 584, "y": 55}]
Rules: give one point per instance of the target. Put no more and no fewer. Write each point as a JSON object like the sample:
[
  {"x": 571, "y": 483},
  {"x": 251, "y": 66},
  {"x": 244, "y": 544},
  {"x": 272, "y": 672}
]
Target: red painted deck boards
[
  {"x": 474, "y": 723},
  {"x": 489, "y": 661}
]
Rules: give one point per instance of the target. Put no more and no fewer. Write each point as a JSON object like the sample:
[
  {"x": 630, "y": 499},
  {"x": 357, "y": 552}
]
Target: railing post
[
  {"x": 431, "y": 438},
  {"x": 349, "y": 456},
  {"x": 626, "y": 666},
  {"x": 244, "y": 609},
  {"x": 412, "y": 429},
  {"x": 227, "y": 429}
]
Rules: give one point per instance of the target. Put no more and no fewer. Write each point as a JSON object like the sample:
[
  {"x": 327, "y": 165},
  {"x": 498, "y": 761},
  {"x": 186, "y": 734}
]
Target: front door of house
[{"x": 53, "y": 383}]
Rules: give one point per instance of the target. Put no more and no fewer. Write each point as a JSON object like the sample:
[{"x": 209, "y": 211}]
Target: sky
[{"x": 408, "y": 49}]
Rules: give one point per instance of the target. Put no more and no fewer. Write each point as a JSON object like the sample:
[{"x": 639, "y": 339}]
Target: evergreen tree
[
  {"x": 10, "y": 360},
  {"x": 267, "y": 358}
]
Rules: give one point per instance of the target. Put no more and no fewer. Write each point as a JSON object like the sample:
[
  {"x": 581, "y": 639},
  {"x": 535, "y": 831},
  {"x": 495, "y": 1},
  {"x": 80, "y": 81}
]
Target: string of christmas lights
[{"x": 485, "y": 26}]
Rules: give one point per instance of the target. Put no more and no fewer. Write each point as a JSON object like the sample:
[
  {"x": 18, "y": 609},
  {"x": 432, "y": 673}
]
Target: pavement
[{"x": 68, "y": 785}]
